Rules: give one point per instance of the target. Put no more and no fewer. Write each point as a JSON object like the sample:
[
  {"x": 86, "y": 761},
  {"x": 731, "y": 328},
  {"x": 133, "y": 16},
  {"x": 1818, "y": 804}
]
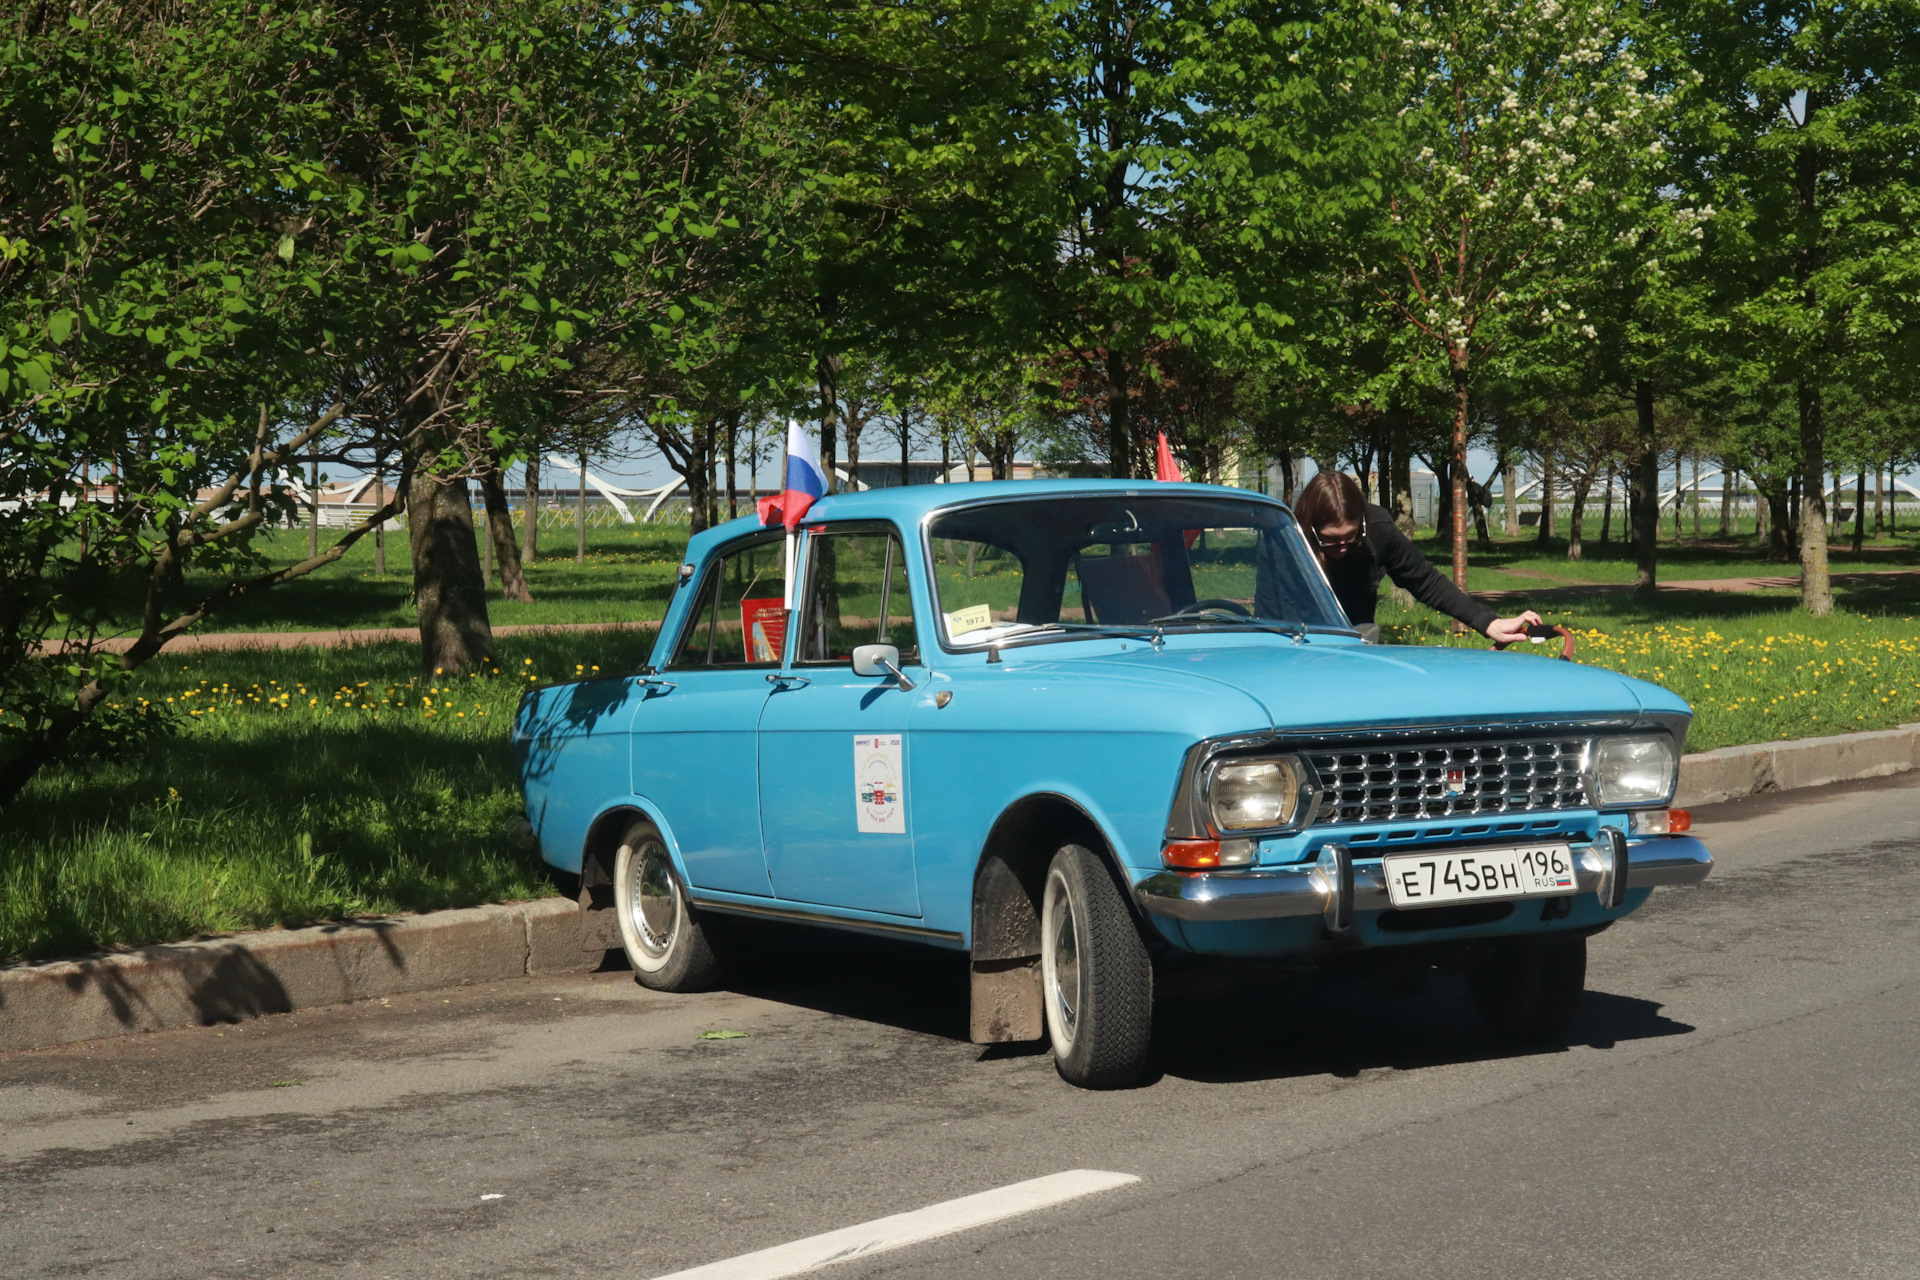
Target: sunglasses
[{"x": 1347, "y": 543}]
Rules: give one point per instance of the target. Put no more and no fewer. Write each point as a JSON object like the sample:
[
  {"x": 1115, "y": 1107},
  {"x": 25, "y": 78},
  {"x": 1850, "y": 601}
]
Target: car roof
[{"x": 906, "y": 504}]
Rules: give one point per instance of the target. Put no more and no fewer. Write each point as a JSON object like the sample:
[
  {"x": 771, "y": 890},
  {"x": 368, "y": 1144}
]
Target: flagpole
[{"x": 791, "y": 538}]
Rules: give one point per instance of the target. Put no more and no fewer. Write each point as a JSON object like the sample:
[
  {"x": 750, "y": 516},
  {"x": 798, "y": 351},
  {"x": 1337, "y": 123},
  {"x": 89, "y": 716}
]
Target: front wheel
[
  {"x": 665, "y": 940},
  {"x": 1097, "y": 975},
  {"x": 1529, "y": 989}
]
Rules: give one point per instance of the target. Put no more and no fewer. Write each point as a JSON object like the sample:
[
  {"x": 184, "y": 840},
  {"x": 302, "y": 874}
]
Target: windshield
[{"x": 1125, "y": 560}]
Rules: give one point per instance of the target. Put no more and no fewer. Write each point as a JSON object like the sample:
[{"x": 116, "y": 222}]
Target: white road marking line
[{"x": 909, "y": 1228}]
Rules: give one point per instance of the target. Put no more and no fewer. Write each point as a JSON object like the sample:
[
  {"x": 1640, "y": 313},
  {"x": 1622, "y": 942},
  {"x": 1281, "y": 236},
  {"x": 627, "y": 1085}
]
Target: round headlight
[
  {"x": 1634, "y": 771},
  {"x": 1246, "y": 795}
]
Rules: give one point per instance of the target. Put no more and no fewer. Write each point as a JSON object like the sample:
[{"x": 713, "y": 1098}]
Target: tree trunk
[
  {"x": 1383, "y": 453},
  {"x": 1606, "y": 512},
  {"x": 1679, "y": 491},
  {"x": 1779, "y": 523},
  {"x": 733, "y": 486},
  {"x": 1510, "y": 500},
  {"x": 1545, "y": 530},
  {"x": 1696, "y": 493},
  {"x": 829, "y": 388},
  {"x": 699, "y": 474},
  {"x": 853, "y": 429},
  {"x": 580, "y": 513},
  {"x": 313, "y": 498},
  {"x": 530, "y": 508},
  {"x": 1879, "y": 501},
  {"x": 380, "y": 530},
  {"x": 1402, "y": 473},
  {"x": 1860, "y": 513},
  {"x": 455, "y": 636},
  {"x": 1643, "y": 494},
  {"x": 1119, "y": 417},
  {"x": 506, "y": 552},
  {"x": 1576, "y": 522},
  {"x": 1816, "y": 586},
  {"x": 906, "y": 445},
  {"x": 486, "y": 552},
  {"x": 1726, "y": 499},
  {"x": 1460, "y": 422}
]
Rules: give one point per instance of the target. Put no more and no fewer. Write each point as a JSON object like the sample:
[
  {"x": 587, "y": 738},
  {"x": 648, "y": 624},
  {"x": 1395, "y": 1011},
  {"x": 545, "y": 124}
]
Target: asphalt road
[{"x": 1739, "y": 1101}]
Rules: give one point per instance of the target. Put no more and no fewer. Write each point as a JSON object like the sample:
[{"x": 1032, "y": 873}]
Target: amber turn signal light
[
  {"x": 1679, "y": 820},
  {"x": 1191, "y": 855}
]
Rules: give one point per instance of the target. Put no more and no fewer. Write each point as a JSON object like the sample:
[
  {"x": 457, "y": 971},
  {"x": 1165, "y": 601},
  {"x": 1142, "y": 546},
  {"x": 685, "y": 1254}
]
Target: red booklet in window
[{"x": 763, "y": 626}]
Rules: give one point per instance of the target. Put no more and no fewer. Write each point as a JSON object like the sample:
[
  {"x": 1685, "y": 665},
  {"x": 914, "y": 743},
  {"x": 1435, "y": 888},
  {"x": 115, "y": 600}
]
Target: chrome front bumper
[{"x": 1305, "y": 889}]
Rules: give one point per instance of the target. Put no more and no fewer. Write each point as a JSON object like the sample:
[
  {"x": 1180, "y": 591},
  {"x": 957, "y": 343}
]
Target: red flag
[{"x": 1164, "y": 467}]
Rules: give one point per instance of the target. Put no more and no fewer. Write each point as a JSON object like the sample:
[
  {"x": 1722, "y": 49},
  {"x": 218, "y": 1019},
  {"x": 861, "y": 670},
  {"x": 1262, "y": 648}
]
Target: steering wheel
[{"x": 1214, "y": 604}]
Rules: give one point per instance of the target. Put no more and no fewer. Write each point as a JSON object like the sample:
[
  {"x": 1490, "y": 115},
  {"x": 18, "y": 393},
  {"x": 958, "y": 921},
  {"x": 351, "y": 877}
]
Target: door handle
[{"x": 782, "y": 680}]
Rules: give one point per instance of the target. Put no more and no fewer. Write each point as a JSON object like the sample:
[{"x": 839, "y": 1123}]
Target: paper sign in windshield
[
  {"x": 971, "y": 618},
  {"x": 763, "y": 624},
  {"x": 878, "y": 798}
]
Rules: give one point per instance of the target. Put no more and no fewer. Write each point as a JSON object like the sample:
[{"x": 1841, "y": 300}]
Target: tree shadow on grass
[{"x": 211, "y": 833}]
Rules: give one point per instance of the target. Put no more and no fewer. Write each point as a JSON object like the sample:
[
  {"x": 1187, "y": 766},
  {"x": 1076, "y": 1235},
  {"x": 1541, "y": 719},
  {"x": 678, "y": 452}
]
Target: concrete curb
[
  {"x": 1708, "y": 777},
  {"x": 277, "y": 971}
]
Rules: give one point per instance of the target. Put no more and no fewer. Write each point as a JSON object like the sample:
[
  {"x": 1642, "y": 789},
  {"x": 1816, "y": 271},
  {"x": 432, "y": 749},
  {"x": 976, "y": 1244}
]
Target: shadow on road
[
  {"x": 1211, "y": 1025},
  {"x": 1344, "y": 1024}
]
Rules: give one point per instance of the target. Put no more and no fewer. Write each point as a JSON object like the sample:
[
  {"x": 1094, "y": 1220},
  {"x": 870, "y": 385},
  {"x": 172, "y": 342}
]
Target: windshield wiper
[
  {"x": 1056, "y": 632},
  {"x": 1279, "y": 627}
]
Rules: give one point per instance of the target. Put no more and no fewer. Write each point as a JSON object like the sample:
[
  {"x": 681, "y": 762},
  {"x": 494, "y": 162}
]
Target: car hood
[{"x": 1332, "y": 684}]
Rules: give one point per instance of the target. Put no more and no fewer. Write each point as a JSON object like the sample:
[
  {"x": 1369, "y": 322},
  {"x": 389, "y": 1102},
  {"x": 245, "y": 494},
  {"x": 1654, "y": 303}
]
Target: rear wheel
[
  {"x": 1097, "y": 976},
  {"x": 665, "y": 940},
  {"x": 1529, "y": 990}
]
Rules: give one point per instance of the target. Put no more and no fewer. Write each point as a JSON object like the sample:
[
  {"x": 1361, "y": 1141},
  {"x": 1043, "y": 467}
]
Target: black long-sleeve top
[{"x": 1387, "y": 551}]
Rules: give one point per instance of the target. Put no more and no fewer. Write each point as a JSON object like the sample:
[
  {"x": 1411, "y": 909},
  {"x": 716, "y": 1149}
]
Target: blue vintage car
[{"x": 1087, "y": 731}]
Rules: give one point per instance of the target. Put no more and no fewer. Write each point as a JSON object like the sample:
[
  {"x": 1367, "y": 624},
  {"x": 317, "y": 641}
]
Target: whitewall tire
[{"x": 662, "y": 933}]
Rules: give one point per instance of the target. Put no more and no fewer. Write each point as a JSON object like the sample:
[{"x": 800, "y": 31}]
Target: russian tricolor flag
[{"x": 806, "y": 482}]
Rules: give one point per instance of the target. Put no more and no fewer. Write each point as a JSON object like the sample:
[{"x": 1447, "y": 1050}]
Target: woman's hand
[{"x": 1512, "y": 630}]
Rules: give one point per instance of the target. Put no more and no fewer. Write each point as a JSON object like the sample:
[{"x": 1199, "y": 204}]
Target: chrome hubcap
[
  {"x": 1062, "y": 959},
  {"x": 653, "y": 898}
]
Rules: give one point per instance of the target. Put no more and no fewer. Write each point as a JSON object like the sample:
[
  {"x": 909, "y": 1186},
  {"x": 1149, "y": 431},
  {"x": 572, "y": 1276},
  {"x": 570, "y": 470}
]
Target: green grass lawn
[
  {"x": 1754, "y": 667},
  {"x": 311, "y": 784},
  {"x": 628, "y": 576},
  {"x": 1524, "y": 563},
  {"x": 302, "y": 785}
]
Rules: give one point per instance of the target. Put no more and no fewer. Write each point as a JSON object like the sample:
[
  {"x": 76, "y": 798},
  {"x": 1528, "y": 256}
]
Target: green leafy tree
[
  {"x": 1816, "y": 167},
  {"x": 1514, "y": 130}
]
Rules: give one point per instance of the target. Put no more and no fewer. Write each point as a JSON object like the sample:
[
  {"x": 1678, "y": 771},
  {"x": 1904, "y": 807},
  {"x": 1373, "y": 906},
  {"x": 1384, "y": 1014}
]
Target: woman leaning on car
[{"x": 1357, "y": 542}]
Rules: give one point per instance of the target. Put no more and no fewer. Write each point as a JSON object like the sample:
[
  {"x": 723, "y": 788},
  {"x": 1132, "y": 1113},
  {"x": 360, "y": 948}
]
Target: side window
[
  {"x": 737, "y": 619},
  {"x": 856, "y": 594}
]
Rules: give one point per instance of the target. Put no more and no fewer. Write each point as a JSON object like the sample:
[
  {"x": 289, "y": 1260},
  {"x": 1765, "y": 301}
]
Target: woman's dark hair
[{"x": 1331, "y": 497}]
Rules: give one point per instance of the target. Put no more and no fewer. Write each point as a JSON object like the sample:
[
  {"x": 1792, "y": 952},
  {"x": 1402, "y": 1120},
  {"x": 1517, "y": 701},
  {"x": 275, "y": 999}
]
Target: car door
[
  {"x": 834, "y": 815},
  {"x": 696, "y": 721}
]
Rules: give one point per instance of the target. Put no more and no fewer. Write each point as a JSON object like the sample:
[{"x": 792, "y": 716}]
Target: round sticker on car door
[{"x": 877, "y": 779}]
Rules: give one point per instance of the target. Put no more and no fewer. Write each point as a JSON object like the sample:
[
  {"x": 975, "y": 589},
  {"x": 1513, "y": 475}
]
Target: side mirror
[{"x": 880, "y": 660}]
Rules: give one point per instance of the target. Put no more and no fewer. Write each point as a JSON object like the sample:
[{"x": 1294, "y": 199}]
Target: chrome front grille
[{"x": 1448, "y": 780}]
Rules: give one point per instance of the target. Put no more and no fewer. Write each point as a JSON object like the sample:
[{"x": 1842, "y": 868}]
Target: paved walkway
[
  {"x": 1783, "y": 582},
  {"x": 348, "y": 639},
  {"x": 386, "y": 635}
]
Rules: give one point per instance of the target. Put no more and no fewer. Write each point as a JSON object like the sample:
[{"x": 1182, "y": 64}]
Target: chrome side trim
[
  {"x": 797, "y": 916},
  {"x": 1301, "y": 889}
]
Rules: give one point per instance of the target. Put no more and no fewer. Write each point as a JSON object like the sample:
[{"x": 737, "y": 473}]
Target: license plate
[{"x": 1478, "y": 875}]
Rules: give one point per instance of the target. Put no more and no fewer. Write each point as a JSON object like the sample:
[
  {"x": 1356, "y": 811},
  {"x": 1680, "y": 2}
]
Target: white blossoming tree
[{"x": 1507, "y": 133}]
